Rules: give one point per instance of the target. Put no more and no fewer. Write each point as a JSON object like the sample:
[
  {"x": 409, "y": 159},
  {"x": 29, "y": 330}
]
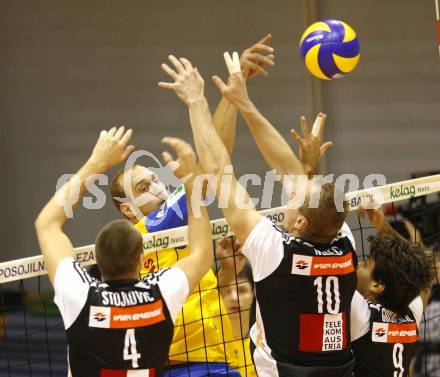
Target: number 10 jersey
[{"x": 303, "y": 293}]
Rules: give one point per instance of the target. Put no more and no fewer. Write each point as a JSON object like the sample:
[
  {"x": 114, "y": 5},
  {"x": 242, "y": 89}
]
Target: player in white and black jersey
[
  {"x": 393, "y": 289},
  {"x": 305, "y": 275},
  {"x": 122, "y": 326}
]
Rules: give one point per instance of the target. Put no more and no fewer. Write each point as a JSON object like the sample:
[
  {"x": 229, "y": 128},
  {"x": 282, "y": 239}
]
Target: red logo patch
[
  {"x": 100, "y": 317},
  {"x": 301, "y": 264}
]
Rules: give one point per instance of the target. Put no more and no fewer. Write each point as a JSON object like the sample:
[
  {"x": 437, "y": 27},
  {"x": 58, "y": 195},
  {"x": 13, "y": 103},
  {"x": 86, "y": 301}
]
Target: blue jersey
[{"x": 173, "y": 213}]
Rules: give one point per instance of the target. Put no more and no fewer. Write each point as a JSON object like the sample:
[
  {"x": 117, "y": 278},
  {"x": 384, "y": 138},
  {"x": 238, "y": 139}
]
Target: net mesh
[{"x": 32, "y": 337}]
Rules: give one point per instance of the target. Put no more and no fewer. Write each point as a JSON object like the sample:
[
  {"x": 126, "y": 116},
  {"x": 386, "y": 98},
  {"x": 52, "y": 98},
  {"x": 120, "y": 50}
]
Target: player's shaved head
[
  {"x": 326, "y": 219},
  {"x": 321, "y": 214},
  {"x": 118, "y": 248}
]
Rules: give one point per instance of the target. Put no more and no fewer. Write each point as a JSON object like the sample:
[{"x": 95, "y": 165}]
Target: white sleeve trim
[
  {"x": 71, "y": 285},
  {"x": 345, "y": 231},
  {"x": 416, "y": 307},
  {"x": 174, "y": 286},
  {"x": 264, "y": 248},
  {"x": 359, "y": 317}
]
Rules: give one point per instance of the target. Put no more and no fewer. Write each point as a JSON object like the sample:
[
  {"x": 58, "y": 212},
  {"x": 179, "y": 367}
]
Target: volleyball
[{"x": 330, "y": 49}]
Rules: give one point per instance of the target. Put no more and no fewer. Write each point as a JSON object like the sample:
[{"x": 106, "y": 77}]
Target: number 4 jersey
[
  {"x": 118, "y": 328},
  {"x": 383, "y": 341},
  {"x": 303, "y": 293}
]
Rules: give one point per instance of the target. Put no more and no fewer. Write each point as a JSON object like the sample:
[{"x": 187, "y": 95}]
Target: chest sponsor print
[
  {"x": 307, "y": 265},
  {"x": 126, "y": 317},
  {"x": 394, "y": 332}
]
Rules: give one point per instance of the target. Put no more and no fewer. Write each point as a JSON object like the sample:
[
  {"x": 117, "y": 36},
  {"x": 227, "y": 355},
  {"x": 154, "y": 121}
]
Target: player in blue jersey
[{"x": 203, "y": 339}]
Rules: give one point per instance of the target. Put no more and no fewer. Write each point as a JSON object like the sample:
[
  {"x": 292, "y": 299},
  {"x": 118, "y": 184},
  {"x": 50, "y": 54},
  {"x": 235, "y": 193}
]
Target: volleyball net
[{"x": 214, "y": 324}]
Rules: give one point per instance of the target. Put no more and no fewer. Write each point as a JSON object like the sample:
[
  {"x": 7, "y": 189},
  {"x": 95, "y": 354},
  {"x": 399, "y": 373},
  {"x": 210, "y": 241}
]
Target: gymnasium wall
[{"x": 71, "y": 69}]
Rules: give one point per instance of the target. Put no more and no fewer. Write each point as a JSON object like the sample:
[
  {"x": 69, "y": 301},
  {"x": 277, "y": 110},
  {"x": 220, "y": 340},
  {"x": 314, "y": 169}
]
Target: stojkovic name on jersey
[{"x": 123, "y": 299}]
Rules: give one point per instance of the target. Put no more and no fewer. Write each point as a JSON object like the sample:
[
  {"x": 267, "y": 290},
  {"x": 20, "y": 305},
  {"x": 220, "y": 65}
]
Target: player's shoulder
[
  {"x": 345, "y": 237},
  {"x": 153, "y": 278}
]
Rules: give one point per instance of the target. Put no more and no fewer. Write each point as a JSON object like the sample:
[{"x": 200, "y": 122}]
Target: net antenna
[{"x": 437, "y": 14}]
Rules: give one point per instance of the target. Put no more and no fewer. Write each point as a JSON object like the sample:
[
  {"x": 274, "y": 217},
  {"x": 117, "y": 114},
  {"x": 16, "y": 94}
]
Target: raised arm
[
  {"x": 378, "y": 220},
  {"x": 214, "y": 157},
  {"x": 274, "y": 148},
  {"x": 253, "y": 62},
  {"x": 199, "y": 261},
  {"x": 110, "y": 150}
]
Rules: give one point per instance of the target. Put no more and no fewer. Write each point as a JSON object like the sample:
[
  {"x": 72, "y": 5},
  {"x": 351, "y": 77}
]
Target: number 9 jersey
[{"x": 383, "y": 341}]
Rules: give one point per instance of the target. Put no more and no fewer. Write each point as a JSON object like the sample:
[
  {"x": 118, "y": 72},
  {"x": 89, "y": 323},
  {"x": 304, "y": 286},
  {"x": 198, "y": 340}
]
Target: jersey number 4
[
  {"x": 130, "y": 351},
  {"x": 332, "y": 296}
]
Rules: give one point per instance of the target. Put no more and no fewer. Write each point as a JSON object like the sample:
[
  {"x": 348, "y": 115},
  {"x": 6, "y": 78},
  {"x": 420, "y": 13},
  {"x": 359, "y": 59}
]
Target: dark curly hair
[{"x": 404, "y": 268}]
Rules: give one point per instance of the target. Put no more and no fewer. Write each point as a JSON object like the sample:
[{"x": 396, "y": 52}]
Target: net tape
[{"x": 34, "y": 266}]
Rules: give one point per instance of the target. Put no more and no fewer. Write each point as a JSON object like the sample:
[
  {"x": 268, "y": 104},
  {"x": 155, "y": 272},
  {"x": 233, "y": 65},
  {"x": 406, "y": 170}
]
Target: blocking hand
[
  {"x": 111, "y": 148},
  {"x": 188, "y": 84}
]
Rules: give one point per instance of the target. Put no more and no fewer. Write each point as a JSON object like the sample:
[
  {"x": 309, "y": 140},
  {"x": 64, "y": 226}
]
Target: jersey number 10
[{"x": 332, "y": 296}]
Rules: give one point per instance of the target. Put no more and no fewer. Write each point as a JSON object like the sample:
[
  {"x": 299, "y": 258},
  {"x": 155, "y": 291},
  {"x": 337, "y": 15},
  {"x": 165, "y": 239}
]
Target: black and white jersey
[
  {"x": 303, "y": 292},
  {"x": 383, "y": 342},
  {"x": 118, "y": 328}
]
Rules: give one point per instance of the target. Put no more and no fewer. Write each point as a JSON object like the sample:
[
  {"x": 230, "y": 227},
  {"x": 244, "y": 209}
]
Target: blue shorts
[{"x": 202, "y": 370}]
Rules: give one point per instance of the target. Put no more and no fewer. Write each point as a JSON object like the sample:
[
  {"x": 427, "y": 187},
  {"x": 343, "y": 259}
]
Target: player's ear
[
  {"x": 141, "y": 261},
  {"x": 377, "y": 288},
  {"x": 301, "y": 222}
]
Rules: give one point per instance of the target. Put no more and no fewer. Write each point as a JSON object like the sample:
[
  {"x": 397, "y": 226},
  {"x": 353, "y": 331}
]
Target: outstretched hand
[
  {"x": 311, "y": 148},
  {"x": 235, "y": 90},
  {"x": 374, "y": 212},
  {"x": 111, "y": 148},
  {"x": 185, "y": 164},
  {"x": 253, "y": 61},
  {"x": 188, "y": 84}
]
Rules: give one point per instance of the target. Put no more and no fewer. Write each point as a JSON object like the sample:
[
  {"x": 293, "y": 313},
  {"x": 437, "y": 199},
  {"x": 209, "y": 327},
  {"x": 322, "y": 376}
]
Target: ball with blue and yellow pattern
[{"x": 330, "y": 49}]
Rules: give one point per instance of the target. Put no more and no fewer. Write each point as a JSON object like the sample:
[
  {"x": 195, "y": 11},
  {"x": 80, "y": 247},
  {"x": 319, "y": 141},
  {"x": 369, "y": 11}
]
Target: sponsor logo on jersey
[
  {"x": 313, "y": 266},
  {"x": 322, "y": 332},
  {"x": 380, "y": 332},
  {"x": 126, "y": 317},
  {"x": 301, "y": 264},
  {"x": 100, "y": 317},
  {"x": 394, "y": 332}
]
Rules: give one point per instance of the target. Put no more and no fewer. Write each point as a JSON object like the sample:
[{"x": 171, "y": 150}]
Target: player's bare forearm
[
  {"x": 274, "y": 148},
  {"x": 387, "y": 229},
  {"x": 200, "y": 260},
  {"x": 212, "y": 153},
  {"x": 377, "y": 218},
  {"x": 54, "y": 243},
  {"x": 225, "y": 120},
  {"x": 54, "y": 213},
  {"x": 110, "y": 149}
]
